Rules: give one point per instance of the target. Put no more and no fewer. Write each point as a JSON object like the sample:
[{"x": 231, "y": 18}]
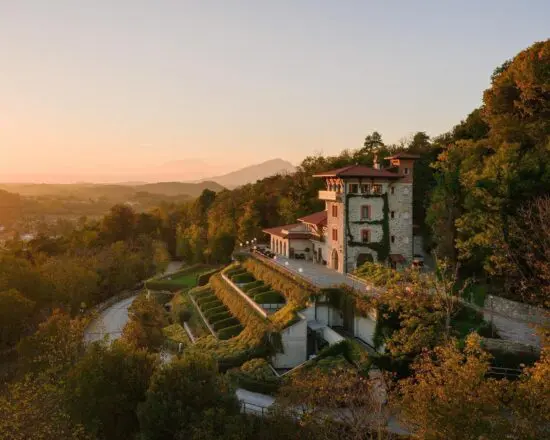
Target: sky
[{"x": 104, "y": 90}]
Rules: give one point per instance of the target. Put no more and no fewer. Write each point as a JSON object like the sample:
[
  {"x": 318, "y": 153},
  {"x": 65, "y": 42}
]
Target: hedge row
[
  {"x": 218, "y": 315},
  {"x": 214, "y": 311},
  {"x": 242, "y": 278},
  {"x": 252, "y": 285},
  {"x": 234, "y": 271},
  {"x": 264, "y": 288},
  {"x": 228, "y": 333},
  {"x": 203, "y": 278},
  {"x": 255, "y": 325},
  {"x": 293, "y": 290},
  {"x": 225, "y": 323},
  {"x": 269, "y": 297}
]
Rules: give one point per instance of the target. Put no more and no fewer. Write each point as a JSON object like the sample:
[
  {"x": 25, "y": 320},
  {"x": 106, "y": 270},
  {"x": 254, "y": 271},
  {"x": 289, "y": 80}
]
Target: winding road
[{"x": 112, "y": 320}]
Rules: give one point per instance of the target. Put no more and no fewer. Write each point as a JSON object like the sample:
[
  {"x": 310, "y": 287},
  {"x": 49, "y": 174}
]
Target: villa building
[{"x": 367, "y": 217}]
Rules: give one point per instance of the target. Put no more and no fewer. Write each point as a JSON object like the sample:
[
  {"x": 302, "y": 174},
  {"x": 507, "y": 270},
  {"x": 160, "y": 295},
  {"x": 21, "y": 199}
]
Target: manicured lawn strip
[
  {"x": 220, "y": 316},
  {"x": 215, "y": 311},
  {"x": 225, "y": 323},
  {"x": 269, "y": 297},
  {"x": 242, "y": 278},
  {"x": 260, "y": 289},
  {"x": 252, "y": 285},
  {"x": 230, "y": 332},
  {"x": 187, "y": 277}
]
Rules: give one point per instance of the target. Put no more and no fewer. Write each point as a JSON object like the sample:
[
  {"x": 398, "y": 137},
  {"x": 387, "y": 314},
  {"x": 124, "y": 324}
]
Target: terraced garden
[
  {"x": 263, "y": 294},
  {"x": 220, "y": 319},
  {"x": 186, "y": 278}
]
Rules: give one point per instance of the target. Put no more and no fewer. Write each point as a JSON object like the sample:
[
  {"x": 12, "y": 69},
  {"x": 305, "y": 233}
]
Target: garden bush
[
  {"x": 214, "y": 311},
  {"x": 252, "y": 285},
  {"x": 257, "y": 376},
  {"x": 256, "y": 326},
  {"x": 292, "y": 288},
  {"x": 203, "y": 278},
  {"x": 270, "y": 297},
  {"x": 211, "y": 305},
  {"x": 234, "y": 271},
  {"x": 219, "y": 317},
  {"x": 242, "y": 278},
  {"x": 177, "y": 334},
  {"x": 225, "y": 323},
  {"x": 260, "y": 289},
  {"x": 230, "y": 332}
]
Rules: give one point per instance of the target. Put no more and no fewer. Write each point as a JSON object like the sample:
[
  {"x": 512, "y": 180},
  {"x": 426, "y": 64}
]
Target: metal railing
[{"x": 252, "y": 408}]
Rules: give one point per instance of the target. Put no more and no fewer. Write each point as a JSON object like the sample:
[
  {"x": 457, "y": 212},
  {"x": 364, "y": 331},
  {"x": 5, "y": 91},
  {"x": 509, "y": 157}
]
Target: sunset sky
[{"x": 118, "y": 90}]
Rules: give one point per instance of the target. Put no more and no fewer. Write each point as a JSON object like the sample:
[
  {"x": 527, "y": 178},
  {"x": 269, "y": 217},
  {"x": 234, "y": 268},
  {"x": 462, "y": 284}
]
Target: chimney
[{"x": 376, "y": 164}]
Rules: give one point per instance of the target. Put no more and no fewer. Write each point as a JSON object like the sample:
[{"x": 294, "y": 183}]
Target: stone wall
[
  {"x": 401, "y": 226},
  {"x": 508, "y": 346},
  {"x": 516, "y": 310}
]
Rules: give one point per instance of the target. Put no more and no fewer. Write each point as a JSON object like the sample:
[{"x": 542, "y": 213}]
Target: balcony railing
[{"x": 331, "y": 196}]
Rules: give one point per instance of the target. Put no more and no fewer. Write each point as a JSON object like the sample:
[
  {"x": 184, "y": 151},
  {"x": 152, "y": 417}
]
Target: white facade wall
[
  {"x": 294, "y": 339},
  {"x": 300, "y": 245},
  {"x": 364, "y": 329}
]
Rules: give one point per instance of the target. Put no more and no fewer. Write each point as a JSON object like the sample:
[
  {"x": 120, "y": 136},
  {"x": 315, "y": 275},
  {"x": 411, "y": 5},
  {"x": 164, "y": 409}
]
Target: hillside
[
  {"x": 178, "y": 188},
  {"x": 253, "y": 173}
]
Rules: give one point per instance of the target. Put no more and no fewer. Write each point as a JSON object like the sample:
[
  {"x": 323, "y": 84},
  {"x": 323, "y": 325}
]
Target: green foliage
[
  {"x": 382, "y": 248},
  {"x": 220, "y": 316},
  {"x": 230, "y": 332},
  {"x": 263, "y": 288},
  {"x": 257, "y": 376},
  {"x": 269, "y": 297},
  {"x": 106, "y": 386},
  {"x": 225, "y": 323},
  {"x": 242, "y": 278},
  {"x": 147, "y": 318},
  {"x": 15, "y": 314},
  {"x": 252, "y": 285},
  {"x": 179, "y": 395},
  {"x": 203, "y": 278},
  {"x": 177, "y": 334},
  {"x": 215, "y": 311}
]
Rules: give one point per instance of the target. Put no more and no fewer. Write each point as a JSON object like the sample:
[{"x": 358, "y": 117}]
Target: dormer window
[{"x": 353, "y": 188}]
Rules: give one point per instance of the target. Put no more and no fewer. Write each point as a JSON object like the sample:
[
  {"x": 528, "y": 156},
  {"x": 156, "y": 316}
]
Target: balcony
[{"x": 330, "y": 196}]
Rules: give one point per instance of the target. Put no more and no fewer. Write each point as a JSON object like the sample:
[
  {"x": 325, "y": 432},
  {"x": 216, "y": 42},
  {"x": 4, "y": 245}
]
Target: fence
[{"x": 252, "y": 408}]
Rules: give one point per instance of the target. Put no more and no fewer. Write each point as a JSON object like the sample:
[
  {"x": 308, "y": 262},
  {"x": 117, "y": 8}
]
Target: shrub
[
  {"x": 293, "y": 289},
  {"x": 234, "y": 271},
  {"x": 211, "y": 305},
  {"x": 203, "y": 278},
  {"x": 260, "y": 289},
  {"x": 176, "y": 333},
  {"x": 255, "y": 326},
  {"x": 242, "y": 278},
  {"x": 270, "y": 297},
  {"x": 219, "y": 317},
  {"x": 256, "y": 375},
  {"x": 230, "y": 332},
  {"x": 214, "y": 311},
  {"x": 252, "y": 285},
  {"x": 226, "y": 323},
  {"x": 184, "y": 315}
]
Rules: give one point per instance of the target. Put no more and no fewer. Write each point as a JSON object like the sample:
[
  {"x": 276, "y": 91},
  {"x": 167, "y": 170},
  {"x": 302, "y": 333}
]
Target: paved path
[{"x": 111, "y": 321}]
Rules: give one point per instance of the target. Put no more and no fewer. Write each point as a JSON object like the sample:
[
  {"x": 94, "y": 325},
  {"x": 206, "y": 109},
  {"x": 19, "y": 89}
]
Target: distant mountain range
[
  {"x": 127, "y": 190},
  {"x": 252, "y": 173}
]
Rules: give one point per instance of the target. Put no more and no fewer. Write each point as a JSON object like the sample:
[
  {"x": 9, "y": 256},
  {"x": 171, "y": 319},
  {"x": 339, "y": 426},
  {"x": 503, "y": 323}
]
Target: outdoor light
[
  {"x": 241, "y": 244},
  {"x": 286, "y": 263},
  {"x": 300, "y": 270},
  {"x": 247, "y": 242}
]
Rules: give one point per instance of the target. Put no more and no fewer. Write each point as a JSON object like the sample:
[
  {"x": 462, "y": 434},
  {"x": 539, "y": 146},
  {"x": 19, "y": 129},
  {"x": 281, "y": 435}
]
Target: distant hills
[{"x": 252, "y": 173}]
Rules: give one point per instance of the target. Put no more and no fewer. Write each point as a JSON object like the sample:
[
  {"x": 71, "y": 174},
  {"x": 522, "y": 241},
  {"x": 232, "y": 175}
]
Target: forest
[{"x": 482, "y": 202}]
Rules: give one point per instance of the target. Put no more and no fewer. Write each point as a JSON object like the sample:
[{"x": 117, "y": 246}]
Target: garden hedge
[
  {"x": 256, "y": 326},
  {"x": 230, "y": 332},
  {"x": 234, "y": 271},
  {"x": 242, "y": 278},
  {"x": 293, "y": 289},
  {"x": 252, "y": 285},
  {"x": 270, "y": 297},
  {"x": 260, "y": 289},
  {"x": 214, "y": 311},
  {"x": 225, "y": 323},
  {"x": 203, "y": 278},
  {"x": 219, "y": 316}
]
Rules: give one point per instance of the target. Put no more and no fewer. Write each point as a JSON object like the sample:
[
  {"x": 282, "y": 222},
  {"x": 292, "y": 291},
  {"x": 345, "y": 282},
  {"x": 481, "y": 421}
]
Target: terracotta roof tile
[
  {"x": 359, "y": 171},
  {"x": 317, "y": 218}
]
